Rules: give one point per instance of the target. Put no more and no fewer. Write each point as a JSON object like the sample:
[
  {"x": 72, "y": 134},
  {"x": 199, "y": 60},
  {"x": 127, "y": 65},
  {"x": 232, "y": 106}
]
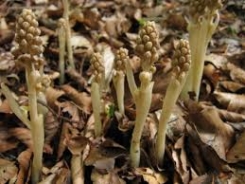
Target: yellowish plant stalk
[
  {"x": 68, "y": 34},
  {"x": 204, "y": 19},
  {"x": 170, "y": 99},
  {"x": 96, "y": 103},
  {"x": 181, "y": 64},
  {"x": 77, "y": 169},
  {"x": 142, "y": 98},
  {"x": 62, "y": 45},
  {"x": 37, "y": 127},
  {"x": 118, "y": 81}
]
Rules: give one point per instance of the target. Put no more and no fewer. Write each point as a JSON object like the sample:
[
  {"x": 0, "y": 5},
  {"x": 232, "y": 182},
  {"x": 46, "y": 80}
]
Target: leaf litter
[{"x": 205, "y": 140}]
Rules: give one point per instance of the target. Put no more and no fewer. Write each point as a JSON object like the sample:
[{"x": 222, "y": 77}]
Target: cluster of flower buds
[
  {"x": 121, "y": 59},
  {"x": 148, "y": 45},
  {"x": 201, "y": 8},
  {"x": 181, "y": 60},
  {"x": 29, "y": 44},
  {"x": 97, "y": 67}
]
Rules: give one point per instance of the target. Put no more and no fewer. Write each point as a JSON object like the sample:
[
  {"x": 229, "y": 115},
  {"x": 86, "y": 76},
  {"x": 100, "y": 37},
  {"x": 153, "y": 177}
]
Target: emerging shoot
[
  {"x": 119, "y": 77},
  {"x": 27, "y": 53},
  {"x": 96, "y": 89},
  {"x": 181, "y": 64},
  {"x": 147, "y": 47},
  {"x": 203, "y": 20}
]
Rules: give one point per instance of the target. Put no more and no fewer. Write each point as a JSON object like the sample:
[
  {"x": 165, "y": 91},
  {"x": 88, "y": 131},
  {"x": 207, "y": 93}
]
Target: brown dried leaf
[
  {"x": 103, "y": 156},
  {"x": 232, "y": 102},
  {"x": 57, "y": 174},
  {"x": 5, "y": 108},
  {"x": 71, "y": 109},
  {"x": 213, "y": 131},
  {"x": 23, "y": 134},
  {"x": 24, "y": 160},
  {"x": 236, "y": 73},
  {"x": 109, "y": 178},
  {"x": 76, "y": 144},
  {"x": 7, "y": 63},
  {"x": 181, "y": 160},
  {"x": 82, "y": 100},
  {"x": 63, "y": 135},
  {"x": 231, "y": 86},
  {"x": 51, "y": 127},
  {"x": 77, "y": 77},
  {"x": 6, "y": 141},
  {"x": 213, "y": 159},
  {"x": 52, "y": 95},
  {"x": 8, "y": 171},
  {"x": 151, "y": 176},
  {"x": 230, "y": 116},
  {"x": 237, "y": 152}
]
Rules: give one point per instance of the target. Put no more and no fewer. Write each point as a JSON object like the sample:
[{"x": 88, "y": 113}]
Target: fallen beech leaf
[
  {"x": 236, "y": 73},
  {"x": 182, "y": 164},
  {"x": 213, "y": 159},
  {"x": 52, "y": 95},
  {"x": 5, "y": 108},
  {"x": 71, "y": 109},
  {"x": 24, "y": 160},
  {"x": 8, "y": 171},
  {"x": 62, "y": 146},
  {"x": 6, "y": 141},
  {"x": 23, "y": 134},
  {"x": 231, "y": 116},
  {"x": 109, "y": 178},
  {"x": 237, "y": 152},
  {"x": 232, "y": 102},
  {"x": 151, "y": 176},
  {"x": 103, "y": 156},
  {"x": 232, "y": 86},
  {"x": 82, "y": 100},
  {"x": 212, "y": 130},
  {"x": 51, "y": 127},
  {"x": 77, "y": 77},
  {"x": 76, "y": 144}
]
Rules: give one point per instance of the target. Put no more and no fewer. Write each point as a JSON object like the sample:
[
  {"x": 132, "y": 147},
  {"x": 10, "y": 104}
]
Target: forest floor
[{"x": 205, "y": 139}]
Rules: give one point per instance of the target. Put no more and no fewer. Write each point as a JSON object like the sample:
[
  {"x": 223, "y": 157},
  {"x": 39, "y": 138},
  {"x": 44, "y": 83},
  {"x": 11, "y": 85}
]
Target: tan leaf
[
  {"x": 212, "y": 130},
  {"x": 77, "y": 77},
  {"x": 231, "y": 86},
  {"x": 109, "y": 178},
  {"x": 24, "y": 160},
  {"x": 51, "y": 127},
  {"x": 8, "y": 171},
  {"x": 82, "y": 100},
  {"x": 5, "y": 108},
  {"x": 236, "y": 73},
  {"x": 151, "y": 176},
  {"x": 232, "y": 102},
  {"x": 103, "y": 156},
  {"x": 52, "y": 95},
  {"x": 6, "y": 143},
  {"x": 237, "y": 152},
  {"x": 76, "y": 144},
  {"x": 64, "y": 133},
  {"x": 23, "y": 134}
]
